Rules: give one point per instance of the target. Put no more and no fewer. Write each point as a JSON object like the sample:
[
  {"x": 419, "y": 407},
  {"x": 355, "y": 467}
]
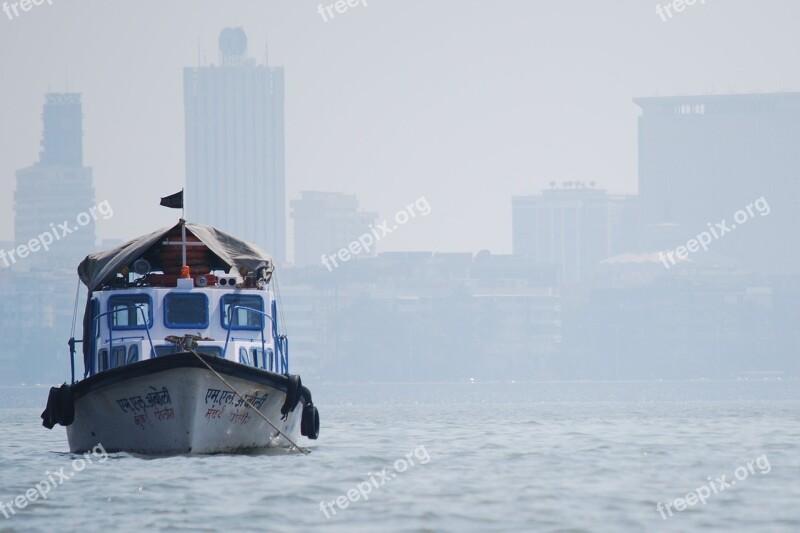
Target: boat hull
[{"x": 176, "y": 405}]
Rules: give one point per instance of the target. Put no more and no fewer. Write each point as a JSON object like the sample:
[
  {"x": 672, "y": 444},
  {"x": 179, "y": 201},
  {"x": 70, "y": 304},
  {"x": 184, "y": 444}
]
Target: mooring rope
[
  {"x": 249, "y": 404},
  {"x": 75, "y": 310}
]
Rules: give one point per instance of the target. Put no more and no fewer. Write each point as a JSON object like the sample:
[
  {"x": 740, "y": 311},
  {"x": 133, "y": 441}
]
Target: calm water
[{"x": 486, "y": 457}]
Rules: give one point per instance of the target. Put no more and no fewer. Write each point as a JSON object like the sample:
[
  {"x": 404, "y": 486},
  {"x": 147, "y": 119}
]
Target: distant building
[
  {"x": 37, "y": 307},
  {"x": 325, "y": 222},
  {"x": 705, "y": 159},
  {"x": 56, "y": 190},
  {"x": 420, "y": 316},
  {"x": 624, "y": 223},
  {"x": 573, "y": 227},
  {"x": 235, "y": 177},
  {"x": 703, "y": 318}
]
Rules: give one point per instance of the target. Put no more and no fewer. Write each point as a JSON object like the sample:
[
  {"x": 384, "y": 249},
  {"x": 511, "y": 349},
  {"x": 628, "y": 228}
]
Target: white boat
[{"x": 182, "y": 351}]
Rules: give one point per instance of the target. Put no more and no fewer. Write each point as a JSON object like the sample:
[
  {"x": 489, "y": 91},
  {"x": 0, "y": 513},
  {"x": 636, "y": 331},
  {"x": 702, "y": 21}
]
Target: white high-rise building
[{"x": 235, "y": 178}]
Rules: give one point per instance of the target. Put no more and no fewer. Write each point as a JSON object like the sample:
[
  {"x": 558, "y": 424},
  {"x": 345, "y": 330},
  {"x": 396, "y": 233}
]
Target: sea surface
[{"x": 444, "y": 457}]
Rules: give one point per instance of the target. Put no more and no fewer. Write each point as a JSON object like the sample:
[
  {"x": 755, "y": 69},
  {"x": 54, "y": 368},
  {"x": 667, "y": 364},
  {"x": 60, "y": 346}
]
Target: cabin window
[
  {"x": 166, "y": 349},
  {"x": 265, "y": 358},
  {"x": 184, "y": 311},
  {"x": 133, "y": 354},
  {"x": 270, "y": 357},
  {"x": 213, "y": 351},
  {"x": 256, "y": 352},
  {"x": 242, "y": 318},
  {"x": 102, "y": 360},
  {"x": 118, "y": 354},
  {"x": 244, "y": 357},
  {"x": 125, "y": 313},
  {"x": 169, "y": 349}
]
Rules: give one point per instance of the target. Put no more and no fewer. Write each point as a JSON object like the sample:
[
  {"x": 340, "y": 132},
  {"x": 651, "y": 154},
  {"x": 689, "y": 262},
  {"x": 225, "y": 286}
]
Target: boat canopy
[{"x": 226, "y": 251}]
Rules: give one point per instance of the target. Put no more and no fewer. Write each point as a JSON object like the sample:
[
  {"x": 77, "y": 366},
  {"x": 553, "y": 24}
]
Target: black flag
[{"x": 174, "y": 201}]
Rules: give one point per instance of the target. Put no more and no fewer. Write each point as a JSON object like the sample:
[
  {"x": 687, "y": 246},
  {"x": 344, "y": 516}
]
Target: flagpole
[
  {"x": 183, "y": 227},
  {"x": 170, "y": 201}
]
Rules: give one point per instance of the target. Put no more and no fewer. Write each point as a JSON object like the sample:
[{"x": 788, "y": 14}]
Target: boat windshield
[{"x": 182, "y": 311}]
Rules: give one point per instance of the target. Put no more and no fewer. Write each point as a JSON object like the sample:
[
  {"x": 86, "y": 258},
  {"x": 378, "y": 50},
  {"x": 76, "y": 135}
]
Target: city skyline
[
  {"x": 254, "y": 234},
  {"x": 556, "y": 101}
]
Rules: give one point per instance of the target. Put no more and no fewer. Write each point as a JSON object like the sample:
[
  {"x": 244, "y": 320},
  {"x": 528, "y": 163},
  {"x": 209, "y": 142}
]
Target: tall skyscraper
[
  {"x": 704, "y": 159},
  {"x": 325, "y": 222},
  {"x": 56, "y": 189},
  {"x": 573, "y": 227},
  {"x": 235, "y": 177}
]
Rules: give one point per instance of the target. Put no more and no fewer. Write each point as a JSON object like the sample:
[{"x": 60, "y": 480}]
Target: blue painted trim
[
  {"x": 94, "y": 334},
  {"x": 244, "y": 356}
]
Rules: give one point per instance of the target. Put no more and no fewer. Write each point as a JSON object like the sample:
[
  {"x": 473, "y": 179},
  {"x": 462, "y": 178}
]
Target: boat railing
[
  {"x": 279, "y": 354},
  {"x": 111, "y": 329},
  {"x": 134, "y": 337},
  {"x": 72, "y": 340}
]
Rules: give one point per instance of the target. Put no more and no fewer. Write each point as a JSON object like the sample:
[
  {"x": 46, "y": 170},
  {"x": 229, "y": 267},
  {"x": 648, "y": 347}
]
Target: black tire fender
[
  {"x": 67, "y": 405},
  {"x": 309, "y": 425},
  {"x": 293, "y": 391}
]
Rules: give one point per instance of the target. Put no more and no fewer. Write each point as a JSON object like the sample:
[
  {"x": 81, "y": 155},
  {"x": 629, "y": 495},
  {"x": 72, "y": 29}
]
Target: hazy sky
[{"x": 464, "y": 102}]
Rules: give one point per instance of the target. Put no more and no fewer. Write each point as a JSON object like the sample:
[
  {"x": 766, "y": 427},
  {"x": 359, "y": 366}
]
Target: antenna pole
[
  {"x": 183, "y": 242},
  {"x": 183, "y": 227}
]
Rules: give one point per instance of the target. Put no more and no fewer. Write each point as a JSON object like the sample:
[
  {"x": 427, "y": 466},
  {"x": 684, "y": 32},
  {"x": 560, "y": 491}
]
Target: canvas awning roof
[{"x": 226, "y": 251}]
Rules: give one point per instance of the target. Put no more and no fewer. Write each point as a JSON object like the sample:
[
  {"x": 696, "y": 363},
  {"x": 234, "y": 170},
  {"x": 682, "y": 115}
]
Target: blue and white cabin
[
  {"x": 131, "y": 325},
  {"x": 148, "y": 295}
]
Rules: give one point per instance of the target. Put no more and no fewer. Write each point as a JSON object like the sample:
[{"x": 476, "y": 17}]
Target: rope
[
  {"x": 249, "y": 404},
  {"x": 75, "y": 309}
]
